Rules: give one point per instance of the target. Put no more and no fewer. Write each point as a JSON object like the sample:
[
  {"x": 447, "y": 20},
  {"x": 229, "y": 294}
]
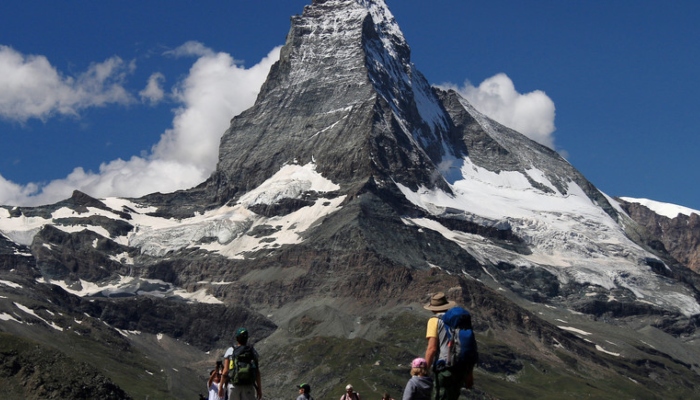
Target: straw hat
[{"x": 438, "y": 302}]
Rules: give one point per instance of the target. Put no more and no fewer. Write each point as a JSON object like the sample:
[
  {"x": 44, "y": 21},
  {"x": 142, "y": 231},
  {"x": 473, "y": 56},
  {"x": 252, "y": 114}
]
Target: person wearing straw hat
[
  {"x": 447, "y": 382},
  {"x": 438, "y": 305}
]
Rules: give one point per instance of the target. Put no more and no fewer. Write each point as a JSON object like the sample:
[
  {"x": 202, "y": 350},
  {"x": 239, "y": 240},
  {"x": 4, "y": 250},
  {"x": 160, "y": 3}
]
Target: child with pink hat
[{"x": 420, "y": 386}]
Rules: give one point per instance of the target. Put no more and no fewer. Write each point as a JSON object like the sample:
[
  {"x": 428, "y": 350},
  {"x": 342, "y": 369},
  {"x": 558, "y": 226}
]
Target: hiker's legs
[
  {"x": 447, "y": 385},
  {"x": 243, "y": 392},
  {"x": 469, "y": 378}
]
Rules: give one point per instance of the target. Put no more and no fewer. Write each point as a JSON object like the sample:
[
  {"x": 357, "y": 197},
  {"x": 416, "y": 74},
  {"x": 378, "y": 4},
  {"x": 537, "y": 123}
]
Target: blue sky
[{"x": 612, "y": 85}]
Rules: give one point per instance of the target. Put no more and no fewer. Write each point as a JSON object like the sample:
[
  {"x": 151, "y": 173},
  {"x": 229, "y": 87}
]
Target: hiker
[
  {"x": 350, "y": 393},
  {"x": 304, "y": 392},
  {"x": 214, "y": 381},
  {"x": 386, "y": 396},
  {"x": 420, "y": 386},
  {"x": 450, "y": 375},
  {"x": 241, "y": 373}
]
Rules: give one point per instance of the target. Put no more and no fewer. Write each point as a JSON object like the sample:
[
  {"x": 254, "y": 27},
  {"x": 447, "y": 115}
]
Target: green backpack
[{"x": 243, "y": 368}]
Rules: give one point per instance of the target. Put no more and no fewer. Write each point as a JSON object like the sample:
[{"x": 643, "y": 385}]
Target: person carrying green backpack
[{"x": 241, "y": 370}]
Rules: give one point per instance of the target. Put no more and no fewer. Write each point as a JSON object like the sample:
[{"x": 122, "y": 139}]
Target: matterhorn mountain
[{"x": 348, "y": 193}]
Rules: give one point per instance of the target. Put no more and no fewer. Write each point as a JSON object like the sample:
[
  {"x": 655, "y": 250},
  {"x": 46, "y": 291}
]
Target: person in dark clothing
[
  {"x": 304, "y": 392},
  {"x": 237, "y": 391}
]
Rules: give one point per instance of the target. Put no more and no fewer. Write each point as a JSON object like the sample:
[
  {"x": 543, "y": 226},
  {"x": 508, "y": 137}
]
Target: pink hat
[{"x": 419, "y": 363}]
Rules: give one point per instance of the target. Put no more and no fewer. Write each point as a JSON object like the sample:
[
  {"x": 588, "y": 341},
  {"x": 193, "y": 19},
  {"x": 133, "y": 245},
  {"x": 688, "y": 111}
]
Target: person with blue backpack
[
  {"x": 451, "y": 351},
  {"x": 241, "y": 373}
]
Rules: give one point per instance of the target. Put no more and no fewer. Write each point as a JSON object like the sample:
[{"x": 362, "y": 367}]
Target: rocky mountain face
[
  {"x": 679, "y": 236},
  {"x": 342, "y": 199},
  {"x": 378, "y": 119}
]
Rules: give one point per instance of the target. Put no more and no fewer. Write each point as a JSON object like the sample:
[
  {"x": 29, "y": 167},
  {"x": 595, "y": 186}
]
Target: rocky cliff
[{"x": 679, "y": 236}]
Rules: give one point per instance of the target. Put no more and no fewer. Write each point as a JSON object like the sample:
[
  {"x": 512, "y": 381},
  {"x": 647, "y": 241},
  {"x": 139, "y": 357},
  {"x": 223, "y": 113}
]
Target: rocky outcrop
[
  {"x": 74, "y": 256},
  {"x": 14, "y": 256},
  {"x": 679, "y": 236},
  {"x": 207, "y": 326},
  {"x": 79, "y": 202},
  {"x": 29, "y": 370}
]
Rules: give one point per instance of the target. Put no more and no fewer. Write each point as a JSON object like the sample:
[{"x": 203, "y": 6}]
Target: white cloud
[
  {"x": 14, "y": 194},
  {"x": 216, "y": 89},
  {"x": 30, "y": 87},
  {"x": 153, "y": 92},
  {"x": 191, "y": 48},
  {"x": 531, "y": 114}
]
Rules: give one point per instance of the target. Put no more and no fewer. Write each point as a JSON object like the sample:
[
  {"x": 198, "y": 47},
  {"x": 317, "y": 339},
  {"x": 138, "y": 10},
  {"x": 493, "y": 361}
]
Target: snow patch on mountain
[
  {"x": 79, "y": 228},
  {"x": 118, "y": 203},
  {"x": 290, "y": 182},
  {"x": 568, "y": 235},
  {"x": 8, "y": 317},
  {"x": 131, "y": 286},
  {"x": 601, "y": 349},
  {"x": 35, "y": 315},
  {"x": 223, "y": 230},
  {"x": 123, "y": 258},
  {"x": 10, "y": 284},
  {"x": 665, "y": 209},
  {"x": 229, "y": 225},
  {"x": 22, "y": 229},
  {"x": 575, "y": 330}
]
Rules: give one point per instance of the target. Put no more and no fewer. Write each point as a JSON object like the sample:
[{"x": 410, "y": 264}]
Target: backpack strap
[
  {"x": 444, "y": 336},
  {"x": 238, "y": 350},
  {"x": 442, "y": 328}
]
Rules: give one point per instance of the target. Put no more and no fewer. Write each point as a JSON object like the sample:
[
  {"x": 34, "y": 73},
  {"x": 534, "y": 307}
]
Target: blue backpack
[{"x": 461, "y": 341}]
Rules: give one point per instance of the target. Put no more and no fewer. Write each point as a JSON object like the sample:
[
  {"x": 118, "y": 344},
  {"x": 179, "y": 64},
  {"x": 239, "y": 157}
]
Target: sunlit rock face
[
  {"x": 345, "y": 96},
  {"x": 679, "y": 234}
]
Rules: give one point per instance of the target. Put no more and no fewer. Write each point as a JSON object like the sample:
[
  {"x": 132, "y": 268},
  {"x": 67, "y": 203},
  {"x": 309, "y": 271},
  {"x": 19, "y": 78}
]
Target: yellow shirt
[{"x": 432, "y": 330}]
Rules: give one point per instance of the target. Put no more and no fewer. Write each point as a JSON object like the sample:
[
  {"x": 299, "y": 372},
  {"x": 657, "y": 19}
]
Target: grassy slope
[{"x": 329, "y": 363}]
